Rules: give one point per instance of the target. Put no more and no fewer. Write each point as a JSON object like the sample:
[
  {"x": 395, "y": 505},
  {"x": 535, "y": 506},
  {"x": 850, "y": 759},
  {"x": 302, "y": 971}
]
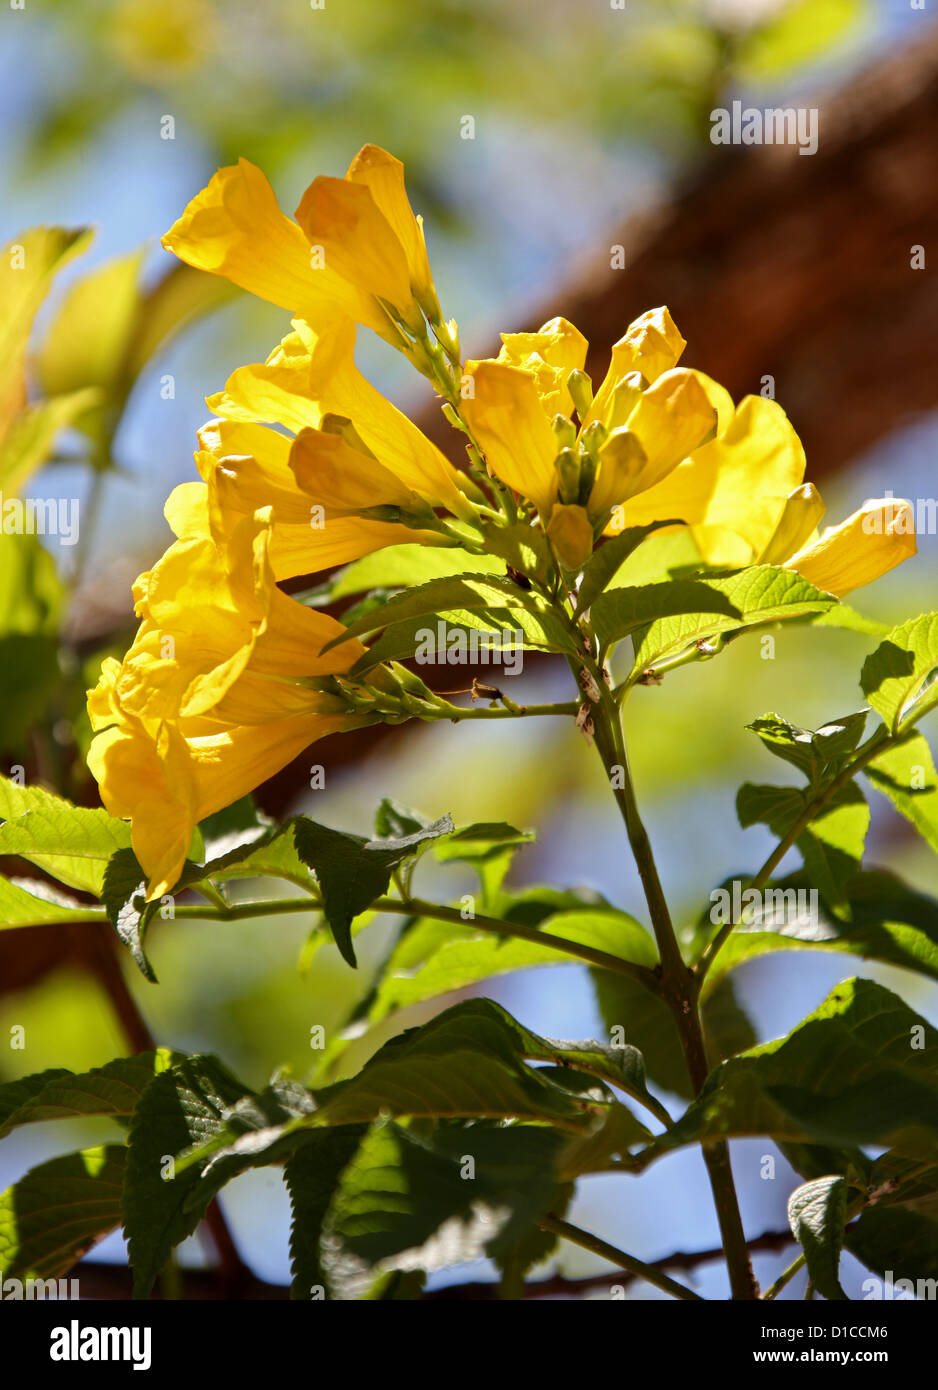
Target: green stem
[
  {"x": 874, "y": 745},
  {"x": 618, "y": 1257},
  {"x": 418, "y": 907},
  {"x": 677, "y": 986},
  {"x": 456, "y": 713}
]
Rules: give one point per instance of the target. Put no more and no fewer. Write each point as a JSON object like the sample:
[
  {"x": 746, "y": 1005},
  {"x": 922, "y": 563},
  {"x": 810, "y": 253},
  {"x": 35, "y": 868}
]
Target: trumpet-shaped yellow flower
[
  {"x": 876, "y": 538},
  {"x": 355, "y": 249},
  {"x": 222, "y": 687},
  {"x": 633, "y": 434}
]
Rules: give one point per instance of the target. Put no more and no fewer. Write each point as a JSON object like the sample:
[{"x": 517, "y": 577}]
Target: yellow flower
[
  {"x": 876, "y": 538},
  {"x": 732, "y": 491},
  {"x": 355, "y": 249},
  {"x": 223, "y": 686},
  {"x": 633, "y": 434}
]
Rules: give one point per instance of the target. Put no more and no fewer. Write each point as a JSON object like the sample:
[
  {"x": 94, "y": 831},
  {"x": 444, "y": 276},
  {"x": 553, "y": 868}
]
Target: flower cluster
[{"x": 306, "y": 466}]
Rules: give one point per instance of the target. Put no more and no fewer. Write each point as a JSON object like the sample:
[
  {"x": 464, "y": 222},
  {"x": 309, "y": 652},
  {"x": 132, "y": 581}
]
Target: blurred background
[{"x": 590, "y": 189}]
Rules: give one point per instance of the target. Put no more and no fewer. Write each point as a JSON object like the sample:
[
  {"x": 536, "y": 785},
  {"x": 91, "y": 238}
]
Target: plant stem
[
  {"x": 456, "y": 713},
  {"x": 677, "y": 986},
  {"x": 419, "y": 908},
  {"x": 618, "y": 1257},
  {"x": 878, "y": 741}
]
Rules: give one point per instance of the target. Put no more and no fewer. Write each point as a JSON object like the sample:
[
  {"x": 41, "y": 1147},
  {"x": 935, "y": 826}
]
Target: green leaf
[
  {"x": 32, "y": 434},
  {"x": 38, "y": 905},
  {"x": 123, "y": 893},
  {"x": 886, "y": 921},
  {"x": 831, "y": 845},
  {"x": 405, "y": 566},
  {"x": 54, "y": 1214},
  {"x": 86, "y": 342},
  {"x": 607, "y": 558},
  {"x": 31, "y": 605},
  {"x": 817, "y": 1213},
  {"x": 182, "y": 1108},
  {"x": 726, "y": 1025},
  {"x": 820, "y": 753},
  {"x": 489, "y": 847},
  {"x": 522, "y": 547},
  {"x": 466, "y": 1062},
  {"x": 114, "y": 1089},
  {"x": 861, "y": 1070},
  {"x": 312, "y": 1175},
  {"x": 353, "y": 871},
  {"x": 455, "y": 958},
  {"x": 894, "y": 675},
  {"x": 906, "y": 774},
  {"x": 634, "y": 1014},
  {"x": 400, "y": 1190},
  {"x": 71, "y": 843},
  {"x": 686, "y": 611},
  {"x": 180, "y": 296},
  {"x": 487, "y": 603}
]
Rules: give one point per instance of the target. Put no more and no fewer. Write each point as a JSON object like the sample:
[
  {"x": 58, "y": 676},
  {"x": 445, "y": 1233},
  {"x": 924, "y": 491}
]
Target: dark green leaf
[
  {"x": 58, "y": 1210},
  {"x": 353, "y": 871}
]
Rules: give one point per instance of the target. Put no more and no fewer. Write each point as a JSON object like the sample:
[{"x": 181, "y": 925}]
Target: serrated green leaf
[
  {"x": 404, "y": 566},
  {"x": 676, "y": 615},
  {"x": 522, "y": 547},
  {"x": 466, "y": 1062},
  {"x": 399, "y": 1190},
  {"x": 312, "y": 1175},
  {"x": 447, "y": 958},
  {"x": 817, "y": 1212},
  {"x": 114, "y": 1089},
  {"x": 861, "y": 1070},
  {"x": 38, "y": 905},
  {"x": 72, "y": 843},
  {"x": 58, "y": 1210},
  {"x": 353, "y": 871},
  {"x": 817, "y": 753},
  {"x": 831, "y": 844},
  {"x": 886, "y": 921},
  {"x": 895, "y": 674},
  {"x": 906, "y": 774},
  {"x": 182, "y": 1108}
]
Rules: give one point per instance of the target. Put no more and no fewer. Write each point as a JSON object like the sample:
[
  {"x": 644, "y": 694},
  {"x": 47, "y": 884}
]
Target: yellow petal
[
  {"x": 509, "y": 423},
  {"x": 651, "y": 345},
  {"x": 798, "y": 523},
  {"x": 312, "y": 375},
  {"x": 571, "y": 535},
  {"x": 868, "y": 544},
  {"x": 357, "y": 242},
  {"x": 236, "y": 228},
  {"x": 383, "y": 176},
  {"x": 340, "y": 478},
  {"x": 670, "y": 420},
  {"x": 734, "y": 490}
]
